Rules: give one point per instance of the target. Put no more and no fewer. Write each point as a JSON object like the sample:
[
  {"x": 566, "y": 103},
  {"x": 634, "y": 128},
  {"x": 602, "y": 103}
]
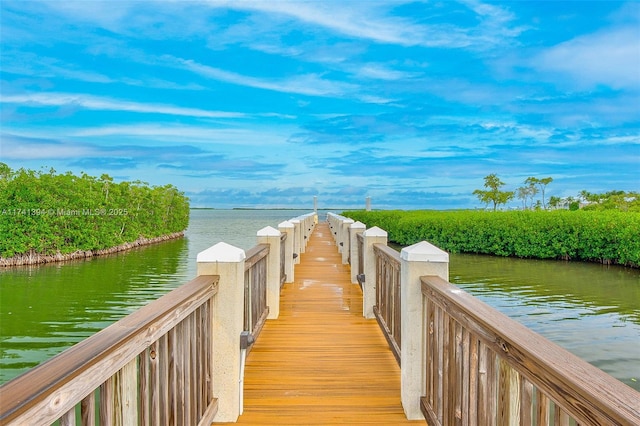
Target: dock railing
[
  {"x": 151, "y": 367},
  {"x": 387, "y": 308},
  {"x": 255, "y": 290},
  {"x": 485, "y": 368},
  {"x": 177, "y": 360},
  {"x": 463, "y": 362}
]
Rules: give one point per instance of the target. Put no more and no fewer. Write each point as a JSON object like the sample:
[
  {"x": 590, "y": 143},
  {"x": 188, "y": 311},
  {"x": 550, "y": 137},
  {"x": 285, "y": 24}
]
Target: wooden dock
[
  {"x": 321, "y": 362},
  {"x": 176, "y": 360}
]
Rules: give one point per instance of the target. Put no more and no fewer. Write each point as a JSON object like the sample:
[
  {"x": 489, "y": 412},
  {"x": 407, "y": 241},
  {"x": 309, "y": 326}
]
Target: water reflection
[{"x": 47, "y": 308}]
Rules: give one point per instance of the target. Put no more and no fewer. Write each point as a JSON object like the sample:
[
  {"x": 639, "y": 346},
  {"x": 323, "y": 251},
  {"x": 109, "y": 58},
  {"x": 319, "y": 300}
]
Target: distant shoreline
[{"x": 31, "y": 258}]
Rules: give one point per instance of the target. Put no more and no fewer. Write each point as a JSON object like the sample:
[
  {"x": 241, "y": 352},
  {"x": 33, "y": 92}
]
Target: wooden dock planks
[{"x": 321, "y": 362}]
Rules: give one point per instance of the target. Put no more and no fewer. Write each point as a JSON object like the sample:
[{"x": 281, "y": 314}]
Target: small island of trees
[{"x": 46, "y": 216}]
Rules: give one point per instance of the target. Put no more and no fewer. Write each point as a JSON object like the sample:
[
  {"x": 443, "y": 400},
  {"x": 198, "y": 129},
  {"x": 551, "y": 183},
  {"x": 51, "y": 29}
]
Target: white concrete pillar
[
  {"x": 355, "y": 229},
  {"x": 371, "y": 236},
  {"x": 307, "y": 228},
  {"x": 227, "y": 315},
  {"x": 287, "y": 227},
  {"x": 333, "y": 224},
  {"x": 271, "y": 236},
  {"x": 346, "y": 240},
  {"x": 415, "y": 261},
  {"x": 340, "y": 233},
  {"x": 297, "y": 232}
]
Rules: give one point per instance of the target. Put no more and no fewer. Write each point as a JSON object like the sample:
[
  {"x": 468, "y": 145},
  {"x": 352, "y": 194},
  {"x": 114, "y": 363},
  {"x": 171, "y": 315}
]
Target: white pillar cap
[
  {"x": 375, "y": 232},
  {"x": 424, "y": 252},
  {"x": 221, "y": 252},
  {"x": 358, "y": 225},
  {"x": 268, "y": 231},
  {"x": 286, "y": 224}
]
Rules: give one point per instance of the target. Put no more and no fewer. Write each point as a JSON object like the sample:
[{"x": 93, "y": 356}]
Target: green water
[
  {"x": 591, "y": 310},
  {"x": 46, "y": 309}
]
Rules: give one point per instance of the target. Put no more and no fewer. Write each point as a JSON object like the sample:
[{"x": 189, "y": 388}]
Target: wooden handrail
[
  {"x": 360, "y": 248},
  {"x": 45, "y": 393},
  {"x": 477, "y": 355},
  {"x": 255, "y": 305},
  {"x": 387, "y": 307},
  {"x": 255, "y": 254}
]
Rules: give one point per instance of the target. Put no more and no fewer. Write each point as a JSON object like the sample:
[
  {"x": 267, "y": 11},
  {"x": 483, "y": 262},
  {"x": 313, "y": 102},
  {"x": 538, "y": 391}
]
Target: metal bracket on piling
[
  {"x": 246, "y": 339},
  {"x": 360, "y": 278}
]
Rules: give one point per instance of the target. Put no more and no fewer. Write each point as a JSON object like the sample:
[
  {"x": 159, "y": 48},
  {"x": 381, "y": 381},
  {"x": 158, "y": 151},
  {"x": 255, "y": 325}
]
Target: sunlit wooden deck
[{"x": 321, "y": 362}]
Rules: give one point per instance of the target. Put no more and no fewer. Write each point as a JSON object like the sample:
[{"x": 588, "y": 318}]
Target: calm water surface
[{"x": 591, "y": 310}]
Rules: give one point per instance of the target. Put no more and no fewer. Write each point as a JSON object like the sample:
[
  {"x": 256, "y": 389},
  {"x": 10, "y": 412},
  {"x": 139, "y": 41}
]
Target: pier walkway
[
  {"x": 321, "y": 362},
  {"x": 177, "y": 361}
]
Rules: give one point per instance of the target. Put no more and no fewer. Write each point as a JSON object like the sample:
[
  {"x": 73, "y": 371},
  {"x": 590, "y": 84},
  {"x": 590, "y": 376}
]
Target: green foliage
[
  {"x": 493, "y": 194},
  {"x": 612, "y": 200},
  {"x": 48, "y": 213},
  {"x": 542, "y": 183},
  {"x": 600, "y": 236}
]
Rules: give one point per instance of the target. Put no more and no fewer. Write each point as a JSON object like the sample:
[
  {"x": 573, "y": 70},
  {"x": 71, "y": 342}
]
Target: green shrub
[
  {"x": 48, "y": 213},
  {"x": 602, "y": 236}
]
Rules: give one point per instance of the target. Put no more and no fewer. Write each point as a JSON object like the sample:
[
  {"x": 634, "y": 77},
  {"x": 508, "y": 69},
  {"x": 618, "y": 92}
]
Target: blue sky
[{"x": 270, "y": 103}]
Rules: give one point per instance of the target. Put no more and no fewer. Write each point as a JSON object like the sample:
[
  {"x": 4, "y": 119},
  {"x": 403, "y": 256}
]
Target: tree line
[
  {"x": 50, "y": 213},
  {"x": 494, "y": 195},
  {"x": 609, "y": 237}
]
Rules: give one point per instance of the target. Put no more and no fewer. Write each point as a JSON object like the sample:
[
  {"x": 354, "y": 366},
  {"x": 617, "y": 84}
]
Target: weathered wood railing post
[
  {"x": 417, "y": 260},
  {"x": 354, "y": 256},
  {"x": 271, "y": 236},
  {"x": 371, "y": 236},
  {"x": 226, "y": 261},
  {"x": 288, "y": 228}
]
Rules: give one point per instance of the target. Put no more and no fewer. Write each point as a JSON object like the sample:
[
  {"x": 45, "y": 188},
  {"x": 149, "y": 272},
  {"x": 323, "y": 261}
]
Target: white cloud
[
  {"x": 189, "y": 134},
  {"x": 374, "y": 21},
  {"x": 610, "y": 57},
  {"x": 13, "y": 147},
  {"x": 354, "y": 19},
  {"x": 108, "y": 104},
  {"x": 107, "y": 14},
  {"x": 381, "y": 72},
  {"x": 147, "y": 19},
  {"x": 306, "y": 84}
]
